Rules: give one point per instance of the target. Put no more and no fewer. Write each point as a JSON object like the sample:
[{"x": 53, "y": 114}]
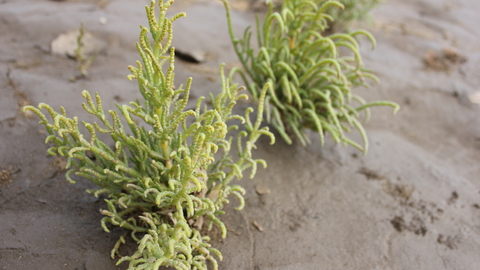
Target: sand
[{"x": 412, "y": 203}]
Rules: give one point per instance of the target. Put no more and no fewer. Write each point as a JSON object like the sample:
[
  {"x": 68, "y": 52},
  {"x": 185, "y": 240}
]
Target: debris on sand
[
  {"x": 66, "y": 44},
  {"x": 262, "y": 190},
  {"x": 258, "y": 226},
  {"x": 444, "y": 60}
]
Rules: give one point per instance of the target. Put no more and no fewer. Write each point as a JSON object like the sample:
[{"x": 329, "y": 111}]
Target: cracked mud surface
[{"x": 411, "y": 203}]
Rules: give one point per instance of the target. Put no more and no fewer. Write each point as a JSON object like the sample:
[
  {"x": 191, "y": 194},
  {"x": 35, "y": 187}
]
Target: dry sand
[{"x": 411, "y": 203}]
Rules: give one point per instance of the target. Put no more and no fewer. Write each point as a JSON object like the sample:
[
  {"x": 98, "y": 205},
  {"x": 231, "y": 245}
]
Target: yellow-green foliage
[
  {"x": 312, "y": 79},
  {"x": 171, "y": 170},
  {"x": 354, "y": 10}
]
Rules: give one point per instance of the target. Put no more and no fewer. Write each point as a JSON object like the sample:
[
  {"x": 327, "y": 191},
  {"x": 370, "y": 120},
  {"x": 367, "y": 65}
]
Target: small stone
[
  {"x": 193, "y": 56},
  {"x": 474, "y": 97},
  {"x": 258, "y": 226},
  {"x": 261, "y": 190},
  {"x": 103, "y": 20},
  {"x": 66, "y": 44}
]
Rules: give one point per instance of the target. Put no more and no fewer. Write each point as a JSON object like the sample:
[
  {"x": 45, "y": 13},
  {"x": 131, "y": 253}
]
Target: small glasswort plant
[
  {"x": 312, "y": 81},
  {"x": 172, "y": 171},
  {"x": 354, "y": 10},
  {"x": 83, "y": 61}
]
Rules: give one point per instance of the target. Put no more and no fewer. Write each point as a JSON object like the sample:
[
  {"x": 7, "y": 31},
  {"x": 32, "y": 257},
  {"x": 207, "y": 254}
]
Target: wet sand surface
[{"x": 413, "y": 202}]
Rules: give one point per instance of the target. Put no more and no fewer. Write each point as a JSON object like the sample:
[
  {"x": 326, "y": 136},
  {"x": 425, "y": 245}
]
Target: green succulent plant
[
  {"x": 171, "y": 170},
  {"x": 353, "y": 10},
  {"x": 83, "y": 61},
  {"x": 312, "y": 79}
]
